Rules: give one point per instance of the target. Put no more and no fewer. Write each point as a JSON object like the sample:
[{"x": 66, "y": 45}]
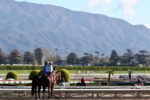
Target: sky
[{"x": 133, "y": 11}]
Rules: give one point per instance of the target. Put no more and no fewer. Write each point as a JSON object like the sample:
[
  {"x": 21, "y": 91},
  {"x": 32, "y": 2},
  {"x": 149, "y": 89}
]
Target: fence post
[
  {"x": 92, "y": 94},
  {"x": 115, "y": 93},
  {"x": 19, "y": 94},
  {"x": 97, "y": 93}
]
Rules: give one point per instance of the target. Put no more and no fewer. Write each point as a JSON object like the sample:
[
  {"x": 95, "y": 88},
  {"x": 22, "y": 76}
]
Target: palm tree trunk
[{"x": 109, "y": 77}]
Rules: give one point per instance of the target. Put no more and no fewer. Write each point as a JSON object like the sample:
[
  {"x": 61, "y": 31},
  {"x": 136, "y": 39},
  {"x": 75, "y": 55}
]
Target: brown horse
[
  {"x": 39, "y": 81},
  {"x": 81, "y": 84},
  {"x": 50, "y": 84},
  {"x": 136, "y": 86}
]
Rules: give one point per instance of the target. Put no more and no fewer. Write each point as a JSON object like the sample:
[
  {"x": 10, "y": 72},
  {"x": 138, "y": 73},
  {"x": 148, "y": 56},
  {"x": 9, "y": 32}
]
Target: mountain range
[{"x": 27, "y": 26}]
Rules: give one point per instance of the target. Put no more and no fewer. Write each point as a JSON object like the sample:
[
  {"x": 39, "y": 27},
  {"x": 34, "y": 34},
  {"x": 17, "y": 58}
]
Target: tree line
[
  {"x": 15, "y": 57},
  {"x": 46, "y": 54}
]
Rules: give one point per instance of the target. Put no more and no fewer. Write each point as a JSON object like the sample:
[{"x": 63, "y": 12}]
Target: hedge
[
  {"x": 117, "y": 68},
  {"x": 13, "y": 75},
  {"x": 65, "y": 74},
  {"x": 41, "y": 72},
  {"x": 33, "y": 73}
]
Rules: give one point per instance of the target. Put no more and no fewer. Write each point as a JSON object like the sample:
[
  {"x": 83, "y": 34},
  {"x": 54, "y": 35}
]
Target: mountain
[{"x": 27, "y": 26}]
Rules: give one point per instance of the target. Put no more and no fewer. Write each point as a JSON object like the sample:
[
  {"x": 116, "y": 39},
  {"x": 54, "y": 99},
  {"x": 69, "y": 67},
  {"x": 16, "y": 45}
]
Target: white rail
[{"x": 81, "y": 93}]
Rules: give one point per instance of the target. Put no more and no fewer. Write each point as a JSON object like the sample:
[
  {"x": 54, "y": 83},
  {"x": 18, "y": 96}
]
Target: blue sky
[{"x": 133, "y": 11}]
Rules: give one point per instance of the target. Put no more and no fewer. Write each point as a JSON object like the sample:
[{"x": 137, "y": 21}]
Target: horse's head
[
  {"x": 54, "y": 69},
  {"x": 58, "y": 75}
]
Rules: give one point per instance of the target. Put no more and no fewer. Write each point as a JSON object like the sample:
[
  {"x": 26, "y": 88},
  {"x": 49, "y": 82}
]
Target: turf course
[{"x": 74, "y": 72}]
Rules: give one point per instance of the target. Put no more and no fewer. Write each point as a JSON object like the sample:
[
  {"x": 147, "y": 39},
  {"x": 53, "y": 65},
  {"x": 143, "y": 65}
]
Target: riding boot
[
  {"x": 54, "y": 76},
  {"x": 54, "y": 79}
]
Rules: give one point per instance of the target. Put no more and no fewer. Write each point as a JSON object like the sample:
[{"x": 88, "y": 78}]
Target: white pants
[{"x": 63, "y": 84}]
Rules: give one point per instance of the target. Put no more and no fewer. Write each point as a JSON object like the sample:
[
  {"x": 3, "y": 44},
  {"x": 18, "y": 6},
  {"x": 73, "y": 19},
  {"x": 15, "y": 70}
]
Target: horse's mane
[{"x": 58, "y": 71}]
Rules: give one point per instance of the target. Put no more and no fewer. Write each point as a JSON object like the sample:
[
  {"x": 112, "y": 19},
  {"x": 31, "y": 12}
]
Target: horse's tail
[
  {"x": 77, "y": 84},
  {"x": 33, "y": 82}
]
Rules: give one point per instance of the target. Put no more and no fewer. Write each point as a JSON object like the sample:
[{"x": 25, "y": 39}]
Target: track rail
[{"x": 80, "y": 93}]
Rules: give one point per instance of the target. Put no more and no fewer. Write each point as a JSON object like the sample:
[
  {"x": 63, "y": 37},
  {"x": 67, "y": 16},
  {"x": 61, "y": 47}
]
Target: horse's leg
[
  {"x": 52, "y": 87},
  {"x": 49, "y": 90},
  {"x": 33, "y": 87},
  {"x": 39, "y": 89},
  {"x": 35, "y": 92},
  {"x": 44, "y": 91},
  {"x": 44, "y": 86}
]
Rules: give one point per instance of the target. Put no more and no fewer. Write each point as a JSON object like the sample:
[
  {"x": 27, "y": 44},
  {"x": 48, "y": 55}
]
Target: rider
[
  {"x": 138, "y": 82},
  {"x": 62, "y": 82},
  {"x": 44, "y": 71},
  {"x": 44, "y": 68},
  {"x": 49, "y": 70},
  {"x": 82, "y": 80}
]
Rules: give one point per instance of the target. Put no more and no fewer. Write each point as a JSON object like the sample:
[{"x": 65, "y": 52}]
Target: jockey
[
  {"x": 44, "y": 68},
  {"x": 82, "y": 80},
  {"x": 138, "y": 82},
  {"x": 62, "y": 81},
  {"x": 49, "y": 70}
]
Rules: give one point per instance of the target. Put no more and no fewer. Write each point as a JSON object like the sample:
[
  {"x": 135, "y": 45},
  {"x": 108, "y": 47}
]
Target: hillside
[{"x": 26, "y": 26}]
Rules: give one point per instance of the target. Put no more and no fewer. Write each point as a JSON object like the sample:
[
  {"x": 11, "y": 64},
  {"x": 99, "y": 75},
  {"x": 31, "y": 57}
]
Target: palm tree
[
  {"x": 106, "y": 59},
  {"x": 98, "y": 53},
  {"x": 103, "y": 55},
  {"x": 56, "y": 54},
  {"x": 110, "y": 71},
  {"x": 86, "y": 54},
  {"x": 95, "y": 53},
  {"x": 56, "y": 51}
]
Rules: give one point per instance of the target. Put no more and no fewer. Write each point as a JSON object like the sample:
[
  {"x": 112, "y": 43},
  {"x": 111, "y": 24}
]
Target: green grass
[{"x": 74, "y": 72}]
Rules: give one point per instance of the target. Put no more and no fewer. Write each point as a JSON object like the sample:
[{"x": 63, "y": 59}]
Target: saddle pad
[{"x": 52, "y": 78}]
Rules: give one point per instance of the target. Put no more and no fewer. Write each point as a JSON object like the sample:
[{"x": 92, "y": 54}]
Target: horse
[
  {"x": 50, "y": 84},
  {"x": 136, "y": 86},
  {"x": 37, "y": 82},
  {"x": 81, "y": 84}
]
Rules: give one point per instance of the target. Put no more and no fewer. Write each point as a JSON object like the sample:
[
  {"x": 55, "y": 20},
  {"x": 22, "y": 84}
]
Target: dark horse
[
  {"x": 81, "y": 84},
  {"x": 39, "y": 81},
  {"x": 36, "y": 83}
]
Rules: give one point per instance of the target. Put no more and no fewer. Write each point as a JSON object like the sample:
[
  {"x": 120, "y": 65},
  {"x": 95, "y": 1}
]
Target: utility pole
[{"x": 65, "y": 57}]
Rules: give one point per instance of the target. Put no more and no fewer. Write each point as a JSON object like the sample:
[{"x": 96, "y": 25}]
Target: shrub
[
  {"x": 117, "y": 68},
  {"x": 13, "y": 75},
  {"x": 33, "y": 73},
  {"x": 41, "y": 72},
  {"x": 65, "y": 74}
]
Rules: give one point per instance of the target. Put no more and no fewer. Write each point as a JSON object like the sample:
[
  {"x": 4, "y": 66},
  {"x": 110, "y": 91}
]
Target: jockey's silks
[
  {"x": 49, "y": 69},
  {"x": 44, "y": 69}
]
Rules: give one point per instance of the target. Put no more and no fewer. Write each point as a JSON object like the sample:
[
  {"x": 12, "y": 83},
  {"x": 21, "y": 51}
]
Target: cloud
[
  {"x": 93, "y": 3},
  {"x": 126, "y": 5}
]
